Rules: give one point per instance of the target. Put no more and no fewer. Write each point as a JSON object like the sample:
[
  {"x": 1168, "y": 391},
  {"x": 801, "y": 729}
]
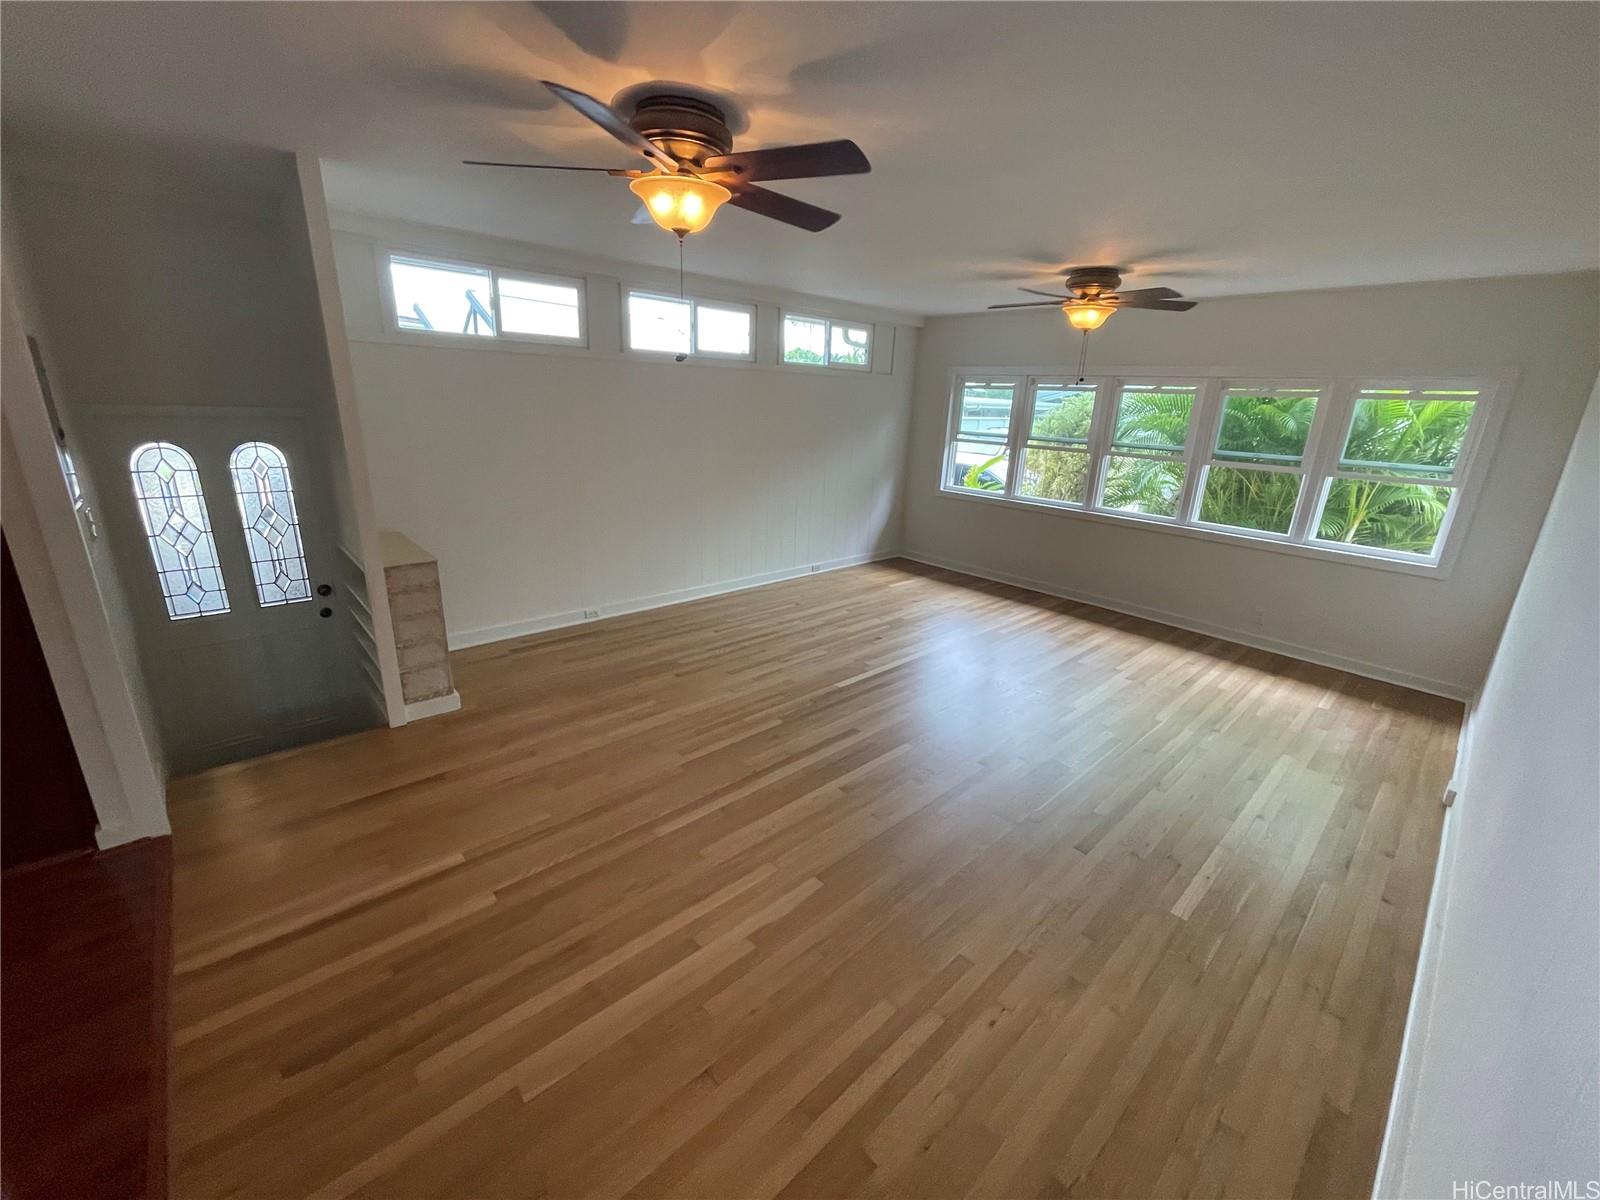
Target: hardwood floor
[
  {"x": 884, "y": 882},
  {"x": 83, "y": 993}
]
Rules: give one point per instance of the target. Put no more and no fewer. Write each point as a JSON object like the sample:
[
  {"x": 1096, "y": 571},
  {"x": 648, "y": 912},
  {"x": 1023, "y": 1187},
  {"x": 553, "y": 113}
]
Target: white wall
[
  {"x": 1501, "y": 1075},
  {"x": 1433, "y": 632},
  {"x": 551, "y": 481}
]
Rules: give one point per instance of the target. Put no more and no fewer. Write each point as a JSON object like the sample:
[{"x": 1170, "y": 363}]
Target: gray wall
[
  {"x": 1434, "y": 632},
  {"x": 1502, "y": 1074}
]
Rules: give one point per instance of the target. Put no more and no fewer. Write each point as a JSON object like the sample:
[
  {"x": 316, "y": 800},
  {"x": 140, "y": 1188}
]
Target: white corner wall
[
  {"x": 1436, "y": 633},
  {"x": 551, "y": 481},
  {"x": 1500, "y": 1078}
]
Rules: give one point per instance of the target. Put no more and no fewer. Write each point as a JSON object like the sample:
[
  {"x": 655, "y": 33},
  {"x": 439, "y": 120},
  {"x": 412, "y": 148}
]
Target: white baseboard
[
  {"x": 1338, "y": 662},
  {"x": 461, "y": 639},
  {"x": 1419, "y": 1014},
  {"x": 435, "y": 706}
]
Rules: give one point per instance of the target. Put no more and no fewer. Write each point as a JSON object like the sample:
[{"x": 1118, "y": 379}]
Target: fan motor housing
[
  {"x": 1090, "y": 282},
  {"x": 688, "y": 128}
]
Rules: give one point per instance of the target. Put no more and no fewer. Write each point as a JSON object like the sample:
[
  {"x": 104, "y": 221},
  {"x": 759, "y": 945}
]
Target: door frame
[{"x": 127, "y": 782}]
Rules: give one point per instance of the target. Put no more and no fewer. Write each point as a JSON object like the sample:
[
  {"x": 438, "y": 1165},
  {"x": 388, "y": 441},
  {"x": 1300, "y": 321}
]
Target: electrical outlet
[{"x": 591, "y": 614}]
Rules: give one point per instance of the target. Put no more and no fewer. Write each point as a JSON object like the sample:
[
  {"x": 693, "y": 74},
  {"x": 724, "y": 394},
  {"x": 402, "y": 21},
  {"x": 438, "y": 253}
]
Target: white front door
[{"x": 220, "y": 529}]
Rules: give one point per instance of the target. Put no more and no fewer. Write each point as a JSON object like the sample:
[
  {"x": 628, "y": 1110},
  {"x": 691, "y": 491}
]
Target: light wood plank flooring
[{"x": 885, "y": 882}]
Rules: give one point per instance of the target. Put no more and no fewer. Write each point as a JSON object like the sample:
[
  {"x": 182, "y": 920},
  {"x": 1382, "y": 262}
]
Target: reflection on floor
[{"x": 881, "y": 882}]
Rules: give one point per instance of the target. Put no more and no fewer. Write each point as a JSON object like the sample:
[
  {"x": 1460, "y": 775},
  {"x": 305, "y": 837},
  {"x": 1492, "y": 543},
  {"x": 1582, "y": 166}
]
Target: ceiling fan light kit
[
  {"x": 680, "y": 204},
  {"x": 697, "y": 170},
  {"x": 1092, "y": 297}
]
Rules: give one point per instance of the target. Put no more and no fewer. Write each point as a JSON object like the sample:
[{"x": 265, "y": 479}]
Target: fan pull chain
[
  {"x": 680, "y": 357},
  {"x": 1083, "y": 355}
]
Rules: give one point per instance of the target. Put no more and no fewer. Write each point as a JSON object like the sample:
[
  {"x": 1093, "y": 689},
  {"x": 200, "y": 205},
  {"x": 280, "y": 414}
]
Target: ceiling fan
[
  {"x": 1093, "y": 297},
  {"x": 688, "y": 141}
]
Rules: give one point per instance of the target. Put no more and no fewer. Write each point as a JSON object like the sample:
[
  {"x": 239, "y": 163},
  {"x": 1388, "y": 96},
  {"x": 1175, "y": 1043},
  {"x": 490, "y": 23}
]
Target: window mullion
[
  {"x": 1100, "y": 427},
  {"x": 1328, "y": 427},
  {"x": 1197, "y": 450},
  {"x": 1016, "y": 436}
]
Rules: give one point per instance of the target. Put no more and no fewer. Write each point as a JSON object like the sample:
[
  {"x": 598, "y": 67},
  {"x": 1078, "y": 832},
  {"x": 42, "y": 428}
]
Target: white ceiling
[{"x": 1217, "y": 148}]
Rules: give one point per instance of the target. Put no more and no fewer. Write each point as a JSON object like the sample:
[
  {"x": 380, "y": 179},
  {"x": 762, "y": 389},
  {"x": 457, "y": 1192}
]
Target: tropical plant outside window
[
  {"x": 1413, "y": 436},
  {"x": 980, "y": 461},
  {"x": 821, "y": 341},
  {"x": 1388, "y": 489}
]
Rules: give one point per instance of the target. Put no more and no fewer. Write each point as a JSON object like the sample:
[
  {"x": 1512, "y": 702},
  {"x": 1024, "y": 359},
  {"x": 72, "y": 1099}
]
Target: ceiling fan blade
[
  {"x": 782, "y": 208},
  {"x": 1141, "y": 294},
  {"x": 1037, "y": 292},
  {"x": 810, "y": 161},
  {"x": 478, "y": 162},
  {"x": 1030, "y": 304},
  {"x": 1160, "y": 305},
  {"x": 608, "y": 119}
]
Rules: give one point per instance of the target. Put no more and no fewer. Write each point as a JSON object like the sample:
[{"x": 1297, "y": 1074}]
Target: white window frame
[
  {"x": 827, "y": 340},
  {"x": 387, "y": 255},
  {"x": 694, "y": 303},
  {"x": 1210, "y": 430},
  {"x": 1324, "y": 445}
]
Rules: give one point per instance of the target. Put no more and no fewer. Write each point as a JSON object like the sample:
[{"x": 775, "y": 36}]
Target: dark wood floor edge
[
  {"x": 1238, "y": 637},
  {"x": 161, "y": 1020}
]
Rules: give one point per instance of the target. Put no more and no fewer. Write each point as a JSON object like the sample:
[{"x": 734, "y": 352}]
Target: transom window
[
  {"x": 172, "y": 506},
  {"x": 468, "y": 300},
  {"x": 661, "y": 324},
  {"x": 1375, "y": 470},
  {"x": 825, "y": 342},
  {"x": 271, "y": 523}
]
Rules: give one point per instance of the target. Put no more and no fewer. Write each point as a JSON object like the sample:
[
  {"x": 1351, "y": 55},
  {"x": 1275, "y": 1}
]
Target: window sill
[{"x": 1324, "y": 553}]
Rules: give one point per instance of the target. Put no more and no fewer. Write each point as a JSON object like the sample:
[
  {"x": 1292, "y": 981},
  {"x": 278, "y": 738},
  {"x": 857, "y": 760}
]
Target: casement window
[
  {"x": 1374, "y": 470},
  {"x": 431, "y": 296},
  {"x": 660, "y": 324},
  {"x": 825, "y": 342}
]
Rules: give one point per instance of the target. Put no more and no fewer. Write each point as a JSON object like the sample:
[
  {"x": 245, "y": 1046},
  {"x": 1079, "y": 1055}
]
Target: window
[
  {"x": 172, "y": 505},
  {"x": 1146, "y": 470},
  {"x": 1055, "y": 452},
  {"x": 820, "y": 341},
  {"x": 540, "y": 308},
  {"x": 1396, "y": 479},
  {"x": 439, "y": 298},
  {"x": 669, "y": 325},
  {"x": 467, "y": 300},
  {"x": 271, "y": 524},
  {"x": 980, "y": 453},
  {"x": 1257, "y": 466},
  {"x": 1356, "y": 469}
]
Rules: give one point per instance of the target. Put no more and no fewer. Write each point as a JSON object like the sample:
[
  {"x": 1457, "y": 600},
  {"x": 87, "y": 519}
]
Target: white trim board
[
  {"x": 435, "y": 706},
  {"x": 1424, "y": 984},
  {"x": 462, "y": 639},
  {"x": 1354, "y": 666}
]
